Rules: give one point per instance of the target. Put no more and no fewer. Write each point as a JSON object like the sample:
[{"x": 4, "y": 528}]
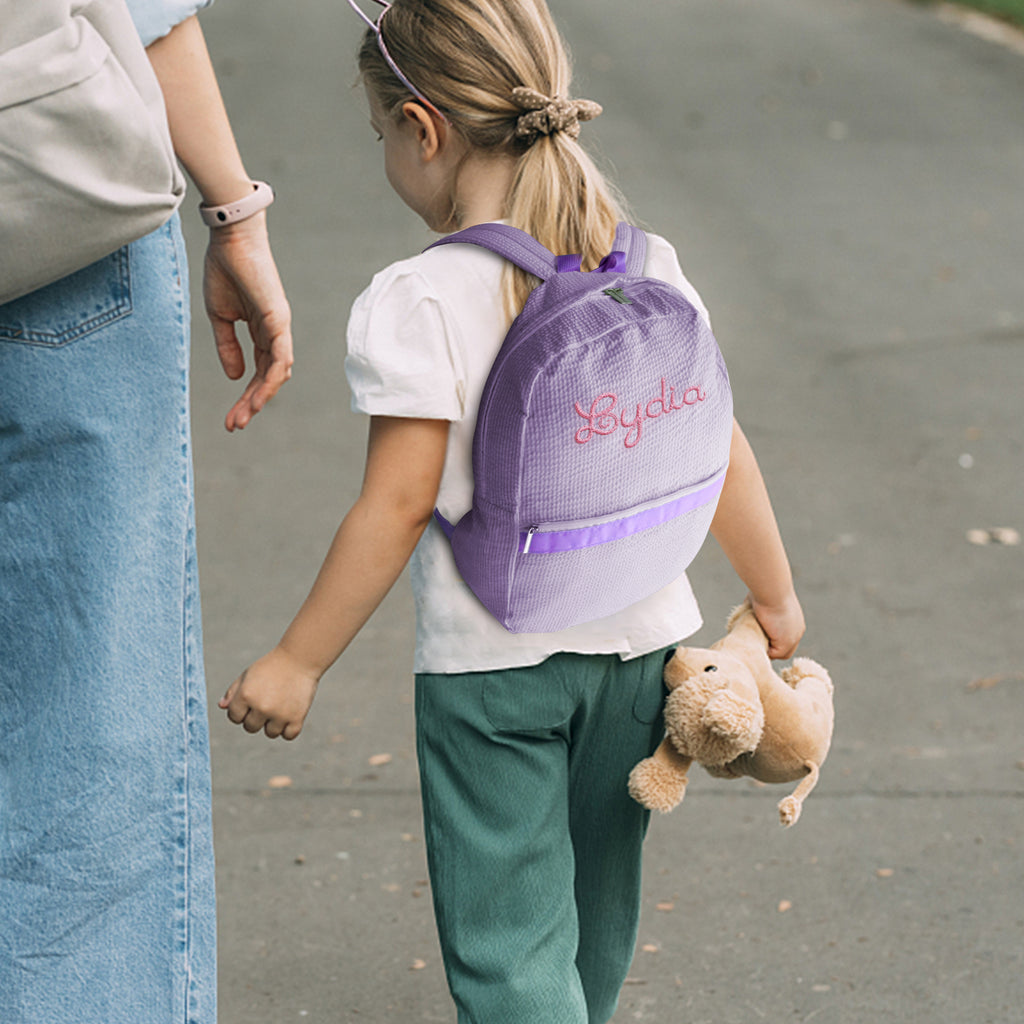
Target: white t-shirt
[{"x": 421, "y": 341}]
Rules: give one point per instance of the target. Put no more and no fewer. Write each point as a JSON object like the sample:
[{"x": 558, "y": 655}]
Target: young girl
[{"x": 525, "y": 741}]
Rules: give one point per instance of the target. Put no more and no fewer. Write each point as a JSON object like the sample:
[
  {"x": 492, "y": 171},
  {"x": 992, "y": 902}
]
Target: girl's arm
[
  {"x": 745, "y": 527},
  {"x": 405, "y": 458},
  {"x": 240, "y": 280}
]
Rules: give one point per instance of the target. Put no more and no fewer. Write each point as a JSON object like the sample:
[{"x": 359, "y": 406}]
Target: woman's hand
[
  {"x": 241, "y": 282},
  {"x": 273, "y": 694}
]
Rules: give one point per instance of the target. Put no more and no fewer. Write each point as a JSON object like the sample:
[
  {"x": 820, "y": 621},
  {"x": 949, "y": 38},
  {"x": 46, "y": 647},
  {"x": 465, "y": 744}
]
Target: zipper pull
[{"x": 529, "y": 539}]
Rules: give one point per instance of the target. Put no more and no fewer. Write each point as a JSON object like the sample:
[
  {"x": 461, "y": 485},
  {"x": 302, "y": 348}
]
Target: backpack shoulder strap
[
  {"x": 633, "y": 242},
  {"x": 521, "y": 248},
  {"x": 526, "y": 252}
]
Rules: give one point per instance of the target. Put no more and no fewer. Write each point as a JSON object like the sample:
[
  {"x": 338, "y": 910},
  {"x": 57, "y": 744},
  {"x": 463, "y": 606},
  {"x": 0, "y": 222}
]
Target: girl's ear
[{"x": 431, "y": 133}]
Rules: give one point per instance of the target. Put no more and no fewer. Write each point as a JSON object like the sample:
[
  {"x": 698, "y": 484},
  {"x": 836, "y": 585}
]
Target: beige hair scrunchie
[{"x": 545, "y": 116}]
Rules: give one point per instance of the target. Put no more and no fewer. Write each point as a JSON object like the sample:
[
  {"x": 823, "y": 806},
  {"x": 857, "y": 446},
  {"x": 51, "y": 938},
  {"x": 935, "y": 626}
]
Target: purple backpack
[{"x": 602, "y": 440}]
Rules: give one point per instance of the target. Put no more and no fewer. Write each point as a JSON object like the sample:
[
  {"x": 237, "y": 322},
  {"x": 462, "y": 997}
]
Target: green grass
[{"x": 1011, "y": 10}]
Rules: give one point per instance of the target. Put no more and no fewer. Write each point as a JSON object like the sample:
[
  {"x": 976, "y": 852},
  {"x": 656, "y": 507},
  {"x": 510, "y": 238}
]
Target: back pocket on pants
[{"x": 69, "y": 309}]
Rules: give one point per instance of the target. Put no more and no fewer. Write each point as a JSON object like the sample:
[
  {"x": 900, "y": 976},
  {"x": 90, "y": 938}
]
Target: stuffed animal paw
[{"x": 658, "y": 782}]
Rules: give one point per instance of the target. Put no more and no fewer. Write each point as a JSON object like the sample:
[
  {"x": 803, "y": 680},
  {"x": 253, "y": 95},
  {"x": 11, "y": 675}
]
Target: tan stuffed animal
[{"x": 731, "y": 713}]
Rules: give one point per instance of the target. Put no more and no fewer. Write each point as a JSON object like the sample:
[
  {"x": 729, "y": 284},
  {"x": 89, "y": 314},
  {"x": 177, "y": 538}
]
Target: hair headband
[{"x": 374, "y": 27}]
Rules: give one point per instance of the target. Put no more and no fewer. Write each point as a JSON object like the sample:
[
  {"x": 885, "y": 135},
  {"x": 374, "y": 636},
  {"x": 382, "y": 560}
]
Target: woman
[{"x": 106, "y": 861}]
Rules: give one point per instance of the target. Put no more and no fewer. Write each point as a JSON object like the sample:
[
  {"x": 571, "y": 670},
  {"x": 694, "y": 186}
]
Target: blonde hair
[{"x": 467, "y": 57}]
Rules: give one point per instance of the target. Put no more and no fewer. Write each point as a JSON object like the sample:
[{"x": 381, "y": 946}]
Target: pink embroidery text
[{"x": 606, "y": 415}]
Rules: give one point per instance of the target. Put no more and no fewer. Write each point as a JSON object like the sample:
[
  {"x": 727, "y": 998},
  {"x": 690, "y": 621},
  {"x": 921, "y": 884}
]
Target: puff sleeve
[
  {"x": 155, "y": 18},
  {"x": 404, "y": 354},
  {"x": 662, "y": 262}
]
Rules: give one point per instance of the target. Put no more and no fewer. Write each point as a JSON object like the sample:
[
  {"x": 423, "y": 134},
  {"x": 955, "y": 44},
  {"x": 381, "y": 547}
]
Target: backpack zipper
[{"x": 574, "y": 535}]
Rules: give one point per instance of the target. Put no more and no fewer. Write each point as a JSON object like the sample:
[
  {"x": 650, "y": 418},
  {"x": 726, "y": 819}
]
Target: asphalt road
[{"x": 843, "y": 180}]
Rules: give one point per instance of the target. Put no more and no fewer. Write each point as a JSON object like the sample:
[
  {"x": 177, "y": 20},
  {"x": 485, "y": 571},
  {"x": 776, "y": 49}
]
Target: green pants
[{"x": 533, "y": 841}]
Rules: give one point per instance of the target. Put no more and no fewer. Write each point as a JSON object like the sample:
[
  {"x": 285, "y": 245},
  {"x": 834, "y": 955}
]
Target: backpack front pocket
[
  {"x": 546, "y": 538},
  {"x": 565, "y": 573}
]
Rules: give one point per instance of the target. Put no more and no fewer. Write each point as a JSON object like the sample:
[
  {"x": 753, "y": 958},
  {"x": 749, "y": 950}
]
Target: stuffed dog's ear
[
  {"x": 734, "y": 719},
  {"x": 731, "y": 726}
]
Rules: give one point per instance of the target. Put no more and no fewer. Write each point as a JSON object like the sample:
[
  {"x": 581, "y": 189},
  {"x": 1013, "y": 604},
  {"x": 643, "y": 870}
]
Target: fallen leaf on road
[
  {"x": 989, "y": 682},
  {"x": 378, "y": 759},
  {"x": 784, "y": 905},
  {"x": 417, "y": 965},
  {"x": 279, "y": 781},
  {"x": 1005, "y": 535}
]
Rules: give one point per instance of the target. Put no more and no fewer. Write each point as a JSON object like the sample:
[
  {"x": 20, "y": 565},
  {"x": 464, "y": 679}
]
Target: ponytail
[{"x": 560, "y": 198}]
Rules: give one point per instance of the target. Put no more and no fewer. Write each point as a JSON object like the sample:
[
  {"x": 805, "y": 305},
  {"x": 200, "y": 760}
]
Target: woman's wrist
[{"x": 250, "y": 199}]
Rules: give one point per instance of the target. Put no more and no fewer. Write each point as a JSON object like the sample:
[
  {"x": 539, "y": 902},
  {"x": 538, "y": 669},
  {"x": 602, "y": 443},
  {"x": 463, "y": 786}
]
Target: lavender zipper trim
[{"x": 543, "y": 541}]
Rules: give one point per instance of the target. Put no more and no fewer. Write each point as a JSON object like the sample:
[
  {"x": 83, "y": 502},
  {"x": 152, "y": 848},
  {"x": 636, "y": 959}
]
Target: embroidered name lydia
[{"x": 606, "y": 415}]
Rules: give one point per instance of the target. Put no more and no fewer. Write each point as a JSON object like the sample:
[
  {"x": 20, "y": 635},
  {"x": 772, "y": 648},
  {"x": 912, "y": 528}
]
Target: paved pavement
[{"x": 843, "y": 181}]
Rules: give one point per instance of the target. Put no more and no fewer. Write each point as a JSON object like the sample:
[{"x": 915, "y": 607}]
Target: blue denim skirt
[{"x": 106, "y": 862}]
